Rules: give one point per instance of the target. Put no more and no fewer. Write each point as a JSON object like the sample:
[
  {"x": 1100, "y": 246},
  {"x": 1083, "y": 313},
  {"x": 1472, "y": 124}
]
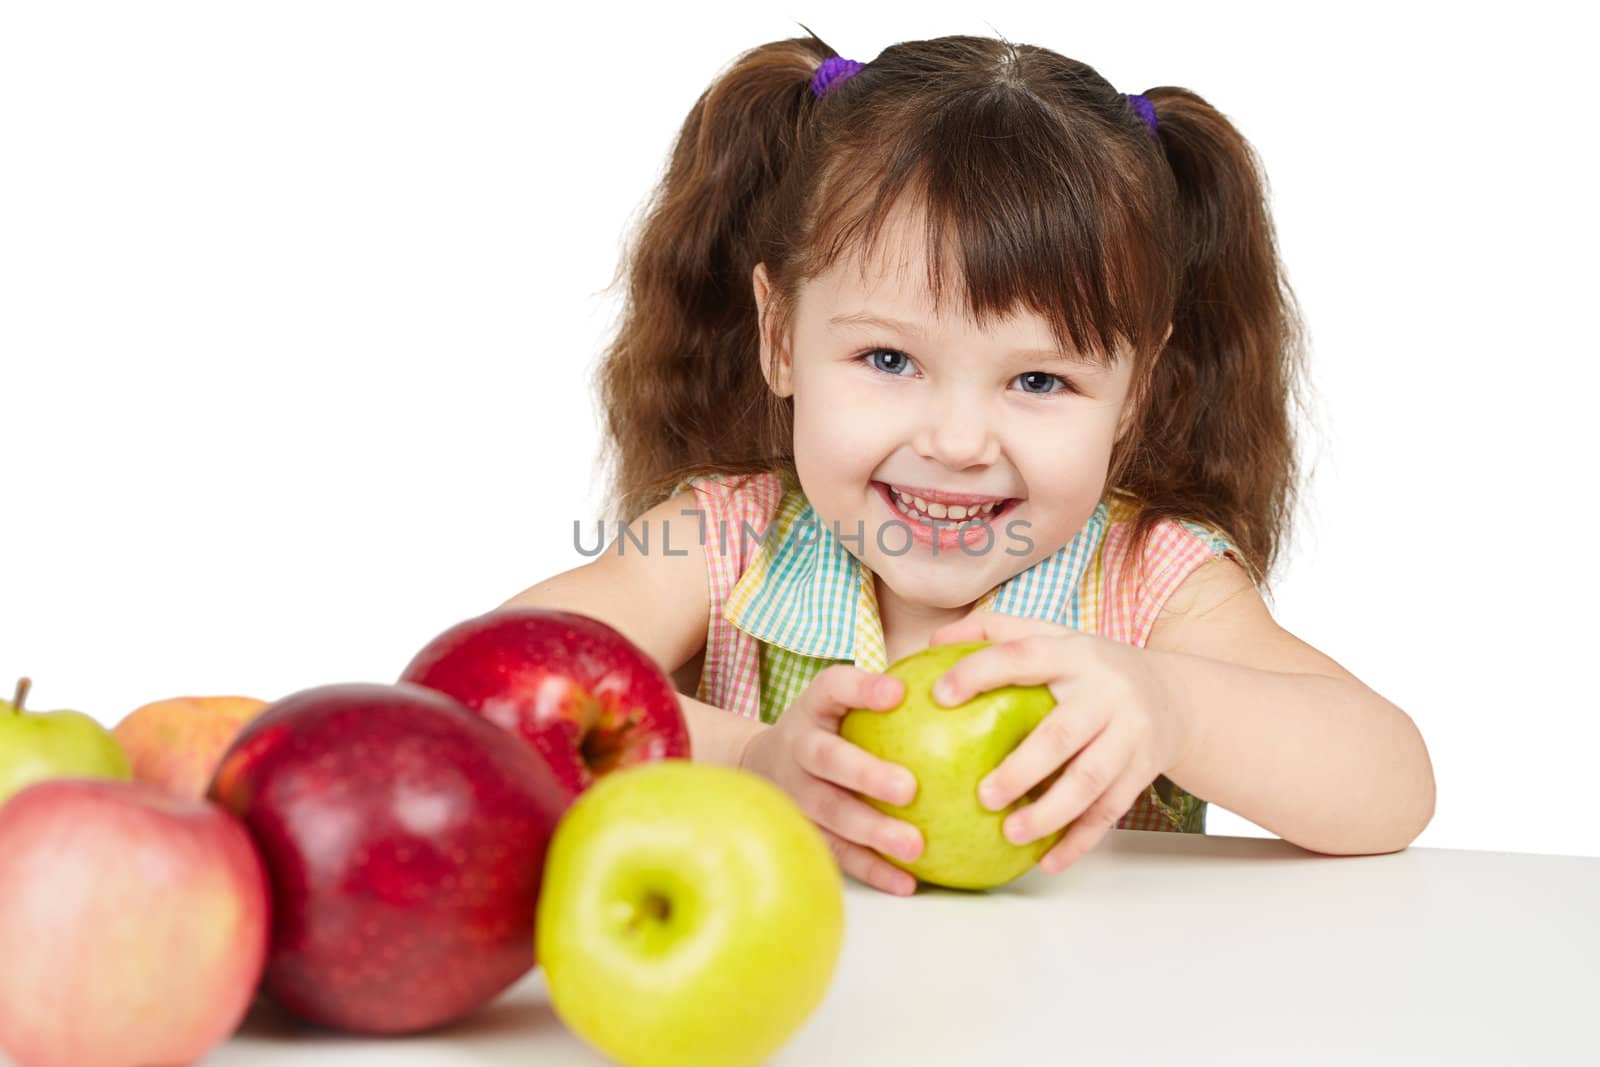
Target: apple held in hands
[
  {"x": 586, "y": 697},
  {"x": 133, "y": 925},
  {"x": 177, "y": 742},
  {"x": 405, "y": 839},
  {"x": 37, "y": 745},
  {"x": 949, "y": 751},
  {"x": 691, "y": 916}
]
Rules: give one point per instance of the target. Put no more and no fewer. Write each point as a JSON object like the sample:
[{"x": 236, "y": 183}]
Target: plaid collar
[{"x": 803, "y": 591}]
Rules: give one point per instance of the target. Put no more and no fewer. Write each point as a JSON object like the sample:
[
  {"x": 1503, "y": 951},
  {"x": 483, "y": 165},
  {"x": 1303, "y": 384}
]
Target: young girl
[{"x": 964, "y": 344}]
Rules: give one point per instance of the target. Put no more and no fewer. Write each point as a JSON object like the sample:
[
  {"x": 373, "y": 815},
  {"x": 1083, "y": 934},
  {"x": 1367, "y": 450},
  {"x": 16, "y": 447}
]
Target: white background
[{"x": 299, "y": 304}]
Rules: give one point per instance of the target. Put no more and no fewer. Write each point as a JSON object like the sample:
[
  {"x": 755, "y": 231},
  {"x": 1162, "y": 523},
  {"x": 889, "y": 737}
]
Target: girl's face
[{"x": 937, "y": 404}]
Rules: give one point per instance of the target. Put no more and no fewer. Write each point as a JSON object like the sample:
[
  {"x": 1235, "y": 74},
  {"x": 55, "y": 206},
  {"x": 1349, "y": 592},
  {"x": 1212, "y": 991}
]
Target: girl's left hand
[{"x": 1115, "y": 720}]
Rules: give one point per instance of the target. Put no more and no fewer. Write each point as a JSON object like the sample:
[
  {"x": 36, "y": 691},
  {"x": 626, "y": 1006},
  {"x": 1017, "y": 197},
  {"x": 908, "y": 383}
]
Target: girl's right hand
[{"x": 803, "y": 754}]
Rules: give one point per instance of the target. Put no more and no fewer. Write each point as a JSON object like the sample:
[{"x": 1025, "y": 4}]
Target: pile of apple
[{"x": 386, "y": 859}]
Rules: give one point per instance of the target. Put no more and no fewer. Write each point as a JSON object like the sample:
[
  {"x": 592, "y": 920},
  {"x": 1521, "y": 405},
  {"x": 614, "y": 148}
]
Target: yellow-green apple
[
  {"x": 177, "y": 742},
  {"x": 691, "y": 916},
  {"x": 589, "y": 699},
  {"x": 405, "y": 838},
  {"x": 949, "y": 751},
  {"x": 133, "y": 924},
  {"x": 36, "y": 745}
]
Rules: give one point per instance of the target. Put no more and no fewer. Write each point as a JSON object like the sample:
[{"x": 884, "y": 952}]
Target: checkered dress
[{"x": 790, "y": 601}]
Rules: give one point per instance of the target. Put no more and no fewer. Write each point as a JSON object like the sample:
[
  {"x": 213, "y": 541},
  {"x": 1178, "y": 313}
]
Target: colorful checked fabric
[{"x": 785, "y": 606}]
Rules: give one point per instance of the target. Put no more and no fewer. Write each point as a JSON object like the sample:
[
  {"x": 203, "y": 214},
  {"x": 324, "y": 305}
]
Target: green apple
[
  {"x": 949, "y": 751},
  {"x": 53, "y": 744},
  {"x": 690, "y": 914}
]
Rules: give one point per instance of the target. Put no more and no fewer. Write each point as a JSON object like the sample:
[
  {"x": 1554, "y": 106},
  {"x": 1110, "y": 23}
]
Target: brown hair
[{"x": 1039, "y": 181}]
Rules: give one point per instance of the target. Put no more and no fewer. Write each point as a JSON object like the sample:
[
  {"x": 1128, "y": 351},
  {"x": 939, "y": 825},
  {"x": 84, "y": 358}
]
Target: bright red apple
[
  {"x": 589, "y": 699},
  {"x": 133, "y": 924},
  {"x": 405, "y": 837}
]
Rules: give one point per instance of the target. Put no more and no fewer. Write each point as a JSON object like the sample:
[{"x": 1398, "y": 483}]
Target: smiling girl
[{"x": 963, "y": 343}]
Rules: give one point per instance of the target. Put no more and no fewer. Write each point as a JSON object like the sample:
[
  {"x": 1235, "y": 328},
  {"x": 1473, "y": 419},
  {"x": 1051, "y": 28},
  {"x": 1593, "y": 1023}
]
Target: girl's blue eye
[
  {"x": 884, "y": 351},
  {"x": 902, "y": 360},
  {"x": 1066, "y": 386}
]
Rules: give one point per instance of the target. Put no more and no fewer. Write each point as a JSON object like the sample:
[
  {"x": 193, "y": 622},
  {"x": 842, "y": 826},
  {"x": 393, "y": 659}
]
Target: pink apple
[
  {"x": 133, "y": 924},
  {"x": 177, "y": 742},
  {"x": 405, "y": 839},
  {"x": 586, "y": 697}
]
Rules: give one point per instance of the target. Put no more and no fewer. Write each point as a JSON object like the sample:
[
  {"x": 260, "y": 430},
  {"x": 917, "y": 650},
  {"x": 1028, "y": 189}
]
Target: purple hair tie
[
  {"x": 1145, "y": 109},
  {"x": 833, "y": 70}
]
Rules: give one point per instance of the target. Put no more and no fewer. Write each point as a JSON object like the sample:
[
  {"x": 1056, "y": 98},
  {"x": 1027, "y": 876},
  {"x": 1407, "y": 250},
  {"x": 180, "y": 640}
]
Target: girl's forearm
[
  {"x": 1323, "y": 762},
  {"x": 715, "y": 735}
]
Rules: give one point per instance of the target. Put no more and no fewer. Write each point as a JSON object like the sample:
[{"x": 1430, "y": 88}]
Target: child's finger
[
  {"x": 853, "y": 819},
  {"x": 1085, "y": 830},
  {"x": 1034, "y": 659},
  {"x": 837, "y": 689},
  {"x": 869, "y": 868},
  {"x": 1060, "y": 736},
  {"x": 833, "y": 759}
]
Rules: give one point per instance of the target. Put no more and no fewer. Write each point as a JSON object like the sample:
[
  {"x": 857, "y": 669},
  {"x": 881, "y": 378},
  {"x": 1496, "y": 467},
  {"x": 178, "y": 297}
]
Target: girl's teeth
[{"x": 956, "y": 512}]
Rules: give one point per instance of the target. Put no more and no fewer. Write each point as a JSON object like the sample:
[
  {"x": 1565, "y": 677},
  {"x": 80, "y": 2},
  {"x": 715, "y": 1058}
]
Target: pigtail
[
  {"x": 1215, "y": 439},
  {"x": 680, "y": 385}
]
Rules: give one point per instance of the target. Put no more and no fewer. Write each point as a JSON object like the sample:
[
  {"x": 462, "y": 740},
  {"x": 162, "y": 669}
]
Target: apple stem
[
  {"x": 654, "y": 908},
  {"x": 22, "y": 694}
]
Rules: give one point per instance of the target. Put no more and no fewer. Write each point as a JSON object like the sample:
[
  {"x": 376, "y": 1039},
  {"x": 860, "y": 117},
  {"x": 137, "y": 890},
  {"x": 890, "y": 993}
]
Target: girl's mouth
[{"x": 911, "y": 514}]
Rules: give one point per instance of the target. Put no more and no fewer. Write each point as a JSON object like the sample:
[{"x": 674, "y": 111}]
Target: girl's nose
[{"x": 959, "y": 435}]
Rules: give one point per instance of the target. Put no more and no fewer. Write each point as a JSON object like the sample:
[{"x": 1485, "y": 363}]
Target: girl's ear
[{"x": 775, "y": 360}]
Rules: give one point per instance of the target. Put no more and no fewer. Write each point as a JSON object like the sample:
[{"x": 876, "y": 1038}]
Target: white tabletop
[{"x": 1190, "y": 947}]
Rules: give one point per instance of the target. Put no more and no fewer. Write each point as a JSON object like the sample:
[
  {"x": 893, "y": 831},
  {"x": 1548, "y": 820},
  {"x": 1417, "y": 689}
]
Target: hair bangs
[{"x": 1030, "y": 220}]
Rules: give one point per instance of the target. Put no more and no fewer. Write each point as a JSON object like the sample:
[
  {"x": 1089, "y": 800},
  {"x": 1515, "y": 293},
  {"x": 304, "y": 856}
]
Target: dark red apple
[
  {"x": 589, "y": 699},
  {"x": 405, "y": 839}
]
